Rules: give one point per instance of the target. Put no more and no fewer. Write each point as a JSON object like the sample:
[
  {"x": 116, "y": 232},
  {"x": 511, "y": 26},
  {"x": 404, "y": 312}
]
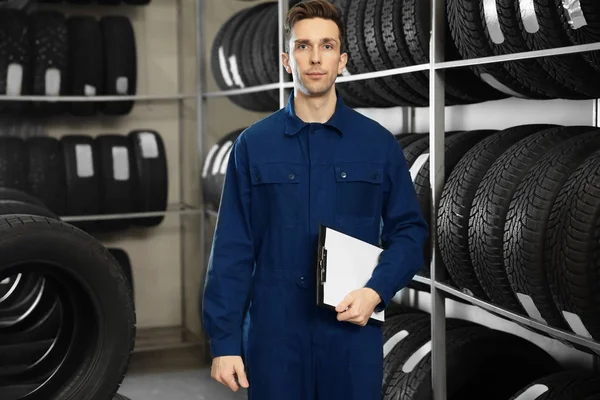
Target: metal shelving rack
[{"x": 439, "y": 290}]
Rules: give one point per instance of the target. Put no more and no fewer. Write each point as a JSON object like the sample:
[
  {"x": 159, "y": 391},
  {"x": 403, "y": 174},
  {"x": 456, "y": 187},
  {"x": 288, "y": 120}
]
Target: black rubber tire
[
  {"x": 564, "y": 385},
  {"x": 151, "y": 175},
  {"x": 461, "y": 84},
  {"x": 14, "y": 49},
  {"x": 120, "y": 63},
  {"x": 404, "y": 335},
  {"x": 18, "y": 195},
  {"x": 490, "y": 207},
  {"x": 23, "y": 354},
  {"x": 89, "y": 282},
  {"x": 84, "y": 187},
  {"x": 406, "y": 139},
  {"x": 456, "y": 203},
  {"x": 588, "y": 33},
  {"x": 527, "y": 224},
  {"x": 356, "y": 91},
  {"x": 471, "y": 373},
  {"x": 369, "y": 14},
  {"x": 47, "y": 173},
  {"x": 13, "y": 163},
  {"x": 86, "y": 63},
  {"x": 573, "y": 245},
  {"x": 116, "y": 172},
  {"x": 572, "y": 71},
  {"x": 265, "y": 57},
  {"x": 471, "y": 34},
  {"x": 214, "y": 168},
  {"x": 247, "y": 56},
  {"x": 455, "y": 148},
  {"x": 49, "y": 51}
]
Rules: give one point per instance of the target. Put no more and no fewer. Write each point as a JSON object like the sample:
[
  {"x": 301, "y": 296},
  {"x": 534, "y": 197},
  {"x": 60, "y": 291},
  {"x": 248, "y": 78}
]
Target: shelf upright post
[
  {"x": 596, "y": 113},
  {"x": 436, "y": 166},
  {"x": 282, "y": 6},
  {"x": 200, "y": 123}
]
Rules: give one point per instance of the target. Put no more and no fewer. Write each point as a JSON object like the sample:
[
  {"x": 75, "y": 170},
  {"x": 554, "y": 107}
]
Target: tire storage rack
[
  {"x": 47, "y": 315},
  {"x": 438, "y": 341}
]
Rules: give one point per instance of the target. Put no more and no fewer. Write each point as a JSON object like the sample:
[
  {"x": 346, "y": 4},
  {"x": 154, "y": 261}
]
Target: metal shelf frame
[{"x": 436, "y": 67}]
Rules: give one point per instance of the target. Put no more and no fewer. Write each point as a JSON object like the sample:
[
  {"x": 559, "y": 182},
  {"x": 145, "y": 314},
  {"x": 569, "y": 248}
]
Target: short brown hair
[{"x": 313, "y": 9}]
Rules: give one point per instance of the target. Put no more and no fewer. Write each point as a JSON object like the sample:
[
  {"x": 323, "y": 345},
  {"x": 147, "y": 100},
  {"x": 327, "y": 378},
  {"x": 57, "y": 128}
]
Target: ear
[
  {"x": 285, "y": 60},
  {"x": 342, "y": 62}
]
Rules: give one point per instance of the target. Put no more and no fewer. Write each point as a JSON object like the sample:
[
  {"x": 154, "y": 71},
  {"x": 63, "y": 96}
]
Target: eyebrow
[{"x": 324, "y": 40}]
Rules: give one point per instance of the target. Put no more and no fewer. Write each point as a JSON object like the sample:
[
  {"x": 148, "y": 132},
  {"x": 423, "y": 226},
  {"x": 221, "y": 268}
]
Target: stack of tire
[
  {"x": 67, "y": 319},
  {"x": 387, "y": 34},
  {"x": 79, "y": 175},
  {"x": 483, "y": 29},
  {"x": 518, "y": 223},
  {"x": 45, "y": 53},
  {"x": 482, "y": 363}
]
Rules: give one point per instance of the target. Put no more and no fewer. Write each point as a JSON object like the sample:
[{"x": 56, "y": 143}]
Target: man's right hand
[{"x": 225, "y": 369}]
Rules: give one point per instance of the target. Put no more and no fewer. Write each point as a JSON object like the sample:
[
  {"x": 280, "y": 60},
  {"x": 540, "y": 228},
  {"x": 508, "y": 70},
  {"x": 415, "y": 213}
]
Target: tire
[
  {"x": 462, "y": 85},
  {"x": 482, "y": 364},
  {"x": 89, "y": 282},
  {"x": 47, "y": 173},
  {"x": 50, "y": 57},
  {"x": 86, "y": 63},
  {"x": 527, "y": 225},
  {"x": 571, "y": 71},
  {"x": 215, "y": 166},
  {"x": 15, "y": 59},
  {"x": 14, "y": 194},
  {"x": 582, "y": 26},
  {"x": 475, "y": 37},
  {"x": 120, "y": 63},
  {"x": 151, "y": 175},
  {"x": 373, "y": 57},
  {"x": 406, "y": 139},
  {"x": 572, "y": 248},
  {"x": 455, "y": 147},
  {"x": 456, "y": 203},
  {"x": 83, "y": 179},
  {"x": 116, "y": 172},
  {"x": 490, "y": 206},
  {"x": 565, "y": 385},
  {"x": 13, "y": 163}
]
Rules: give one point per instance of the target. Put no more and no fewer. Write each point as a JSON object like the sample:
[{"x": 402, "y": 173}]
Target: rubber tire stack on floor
[{"x": 71, "y": 305}]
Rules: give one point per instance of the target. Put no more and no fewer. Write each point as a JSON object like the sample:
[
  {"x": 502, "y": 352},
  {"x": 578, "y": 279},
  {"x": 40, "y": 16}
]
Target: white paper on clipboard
[{"x": 347, "y": 265}]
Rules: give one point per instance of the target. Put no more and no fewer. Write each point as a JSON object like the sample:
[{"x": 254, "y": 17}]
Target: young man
[{"x": 314, "y": 162}]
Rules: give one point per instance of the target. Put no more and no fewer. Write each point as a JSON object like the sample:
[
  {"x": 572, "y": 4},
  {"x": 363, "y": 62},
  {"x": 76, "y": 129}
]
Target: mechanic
[{"x": 314, "y": 162}]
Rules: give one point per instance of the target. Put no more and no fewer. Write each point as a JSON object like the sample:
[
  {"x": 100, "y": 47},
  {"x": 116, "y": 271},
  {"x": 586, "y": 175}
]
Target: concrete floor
[{"x": 173, "y": 375}]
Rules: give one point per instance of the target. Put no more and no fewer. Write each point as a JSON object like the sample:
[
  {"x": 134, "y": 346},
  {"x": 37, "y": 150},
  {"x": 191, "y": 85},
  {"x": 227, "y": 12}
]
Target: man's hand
[
  {"x": 358, "y": 306},
  {"x": 225, "y": 369}
]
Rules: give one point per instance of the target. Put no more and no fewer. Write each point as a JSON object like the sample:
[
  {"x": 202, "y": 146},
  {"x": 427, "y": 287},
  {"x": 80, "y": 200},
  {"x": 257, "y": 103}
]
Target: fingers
[
  {"x": 241, "y": 374},
  {"x": 225, "y": 371},
  {"x": 346, "y": 303}
]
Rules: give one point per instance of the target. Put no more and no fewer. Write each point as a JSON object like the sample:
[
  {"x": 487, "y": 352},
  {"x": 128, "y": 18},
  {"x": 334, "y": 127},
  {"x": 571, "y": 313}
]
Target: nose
[{"x": 315, "y": 57}]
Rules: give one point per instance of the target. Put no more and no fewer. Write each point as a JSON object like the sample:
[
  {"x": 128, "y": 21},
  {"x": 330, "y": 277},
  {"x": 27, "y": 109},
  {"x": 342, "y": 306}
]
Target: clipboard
[{"x": 344, "y": 264}]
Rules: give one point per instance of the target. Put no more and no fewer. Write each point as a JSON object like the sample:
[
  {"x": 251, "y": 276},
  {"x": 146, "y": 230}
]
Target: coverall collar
[{"x": 294, "y": 124}]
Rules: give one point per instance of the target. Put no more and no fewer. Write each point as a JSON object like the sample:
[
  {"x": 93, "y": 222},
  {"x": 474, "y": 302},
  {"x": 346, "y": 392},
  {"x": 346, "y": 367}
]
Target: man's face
[{"x": 314, "y": 56}]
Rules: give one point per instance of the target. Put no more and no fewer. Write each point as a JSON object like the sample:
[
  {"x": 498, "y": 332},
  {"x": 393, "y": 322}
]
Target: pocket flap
[
  {"x": 275, "y": 173},
  {"x": 359, "y": 172}
]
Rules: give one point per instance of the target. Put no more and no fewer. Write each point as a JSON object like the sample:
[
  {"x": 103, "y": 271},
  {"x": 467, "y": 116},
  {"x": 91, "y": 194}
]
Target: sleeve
[
  {"x": 404, "y": 232},
  {"x": 231, "y": 261}
]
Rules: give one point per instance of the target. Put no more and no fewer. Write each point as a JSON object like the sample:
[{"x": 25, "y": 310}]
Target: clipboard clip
[{"x": 323, "y": 265}]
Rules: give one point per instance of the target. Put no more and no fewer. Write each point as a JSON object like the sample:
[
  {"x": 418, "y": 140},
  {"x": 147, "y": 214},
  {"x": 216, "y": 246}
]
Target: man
[{"x": 314, "y": 162}]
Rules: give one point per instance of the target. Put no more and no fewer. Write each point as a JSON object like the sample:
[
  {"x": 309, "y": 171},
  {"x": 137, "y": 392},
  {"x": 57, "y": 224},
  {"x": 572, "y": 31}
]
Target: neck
[{"x": 315, "y": 109}]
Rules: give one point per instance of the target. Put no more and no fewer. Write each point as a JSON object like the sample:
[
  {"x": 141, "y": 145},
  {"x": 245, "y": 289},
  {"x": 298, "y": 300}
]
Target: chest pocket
[
  {"x": 277, "y": 193},
  {"x": 358, "y": 193}
]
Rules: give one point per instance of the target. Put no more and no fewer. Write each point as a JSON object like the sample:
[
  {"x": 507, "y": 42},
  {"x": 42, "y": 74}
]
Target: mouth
[{"x": 315, "y": 74}]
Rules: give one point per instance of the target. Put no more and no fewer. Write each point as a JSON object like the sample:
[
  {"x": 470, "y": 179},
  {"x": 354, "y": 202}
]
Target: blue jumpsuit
[{"x": 283, "y": 179}]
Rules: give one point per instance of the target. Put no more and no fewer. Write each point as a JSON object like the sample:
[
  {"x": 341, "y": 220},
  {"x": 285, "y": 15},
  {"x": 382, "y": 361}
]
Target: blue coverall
[{"x": 284, "y": 178}]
